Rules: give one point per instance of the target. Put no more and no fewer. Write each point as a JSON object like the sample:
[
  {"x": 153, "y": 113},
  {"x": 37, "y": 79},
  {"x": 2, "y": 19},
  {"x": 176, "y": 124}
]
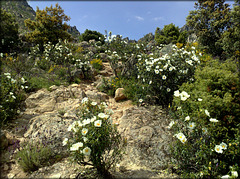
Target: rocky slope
[{"x": 49, "y": 113}]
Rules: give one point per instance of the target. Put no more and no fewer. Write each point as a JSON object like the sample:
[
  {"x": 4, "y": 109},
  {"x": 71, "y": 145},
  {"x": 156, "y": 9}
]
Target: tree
[
  {"x": 48, "y": 26},
  {"x": 90, "y": 35},
  {"x": 9, "y": 37},
  {"x": 209, "y": 21},
  {"x": 231, "y": 38},
  {"x": 169, "y": 34}
]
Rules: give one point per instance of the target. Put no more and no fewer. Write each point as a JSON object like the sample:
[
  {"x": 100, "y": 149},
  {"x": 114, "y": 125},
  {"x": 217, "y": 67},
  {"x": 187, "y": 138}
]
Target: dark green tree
[
  {"x": 48, "y": 26},
  {"x": 231, "y": 37},
  {"x": 209, "y": 21},
  {"x": 9, "y": 36},
  {"x": 91, "y": 35},
  {"x": 169, "y": 34}
]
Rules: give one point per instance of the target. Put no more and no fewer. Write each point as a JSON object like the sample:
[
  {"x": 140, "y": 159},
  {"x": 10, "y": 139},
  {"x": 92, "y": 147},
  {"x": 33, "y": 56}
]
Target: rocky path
[{"x": 49, "y": 113}]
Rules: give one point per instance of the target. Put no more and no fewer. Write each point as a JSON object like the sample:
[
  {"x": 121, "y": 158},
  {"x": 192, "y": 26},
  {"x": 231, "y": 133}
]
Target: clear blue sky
[{"x": 132, "y": 19}]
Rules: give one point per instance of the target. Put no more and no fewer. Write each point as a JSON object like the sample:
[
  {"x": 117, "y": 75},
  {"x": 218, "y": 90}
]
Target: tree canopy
[
  {"x": 90, "y": 35},
  {"x": 9, "y": 36},
  {"x": 48, "y": 26},
  {"x": 209, "y": 21}
]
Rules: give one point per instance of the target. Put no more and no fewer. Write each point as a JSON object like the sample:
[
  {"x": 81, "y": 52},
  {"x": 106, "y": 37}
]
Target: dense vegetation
[{"x": 198, "y": 82}]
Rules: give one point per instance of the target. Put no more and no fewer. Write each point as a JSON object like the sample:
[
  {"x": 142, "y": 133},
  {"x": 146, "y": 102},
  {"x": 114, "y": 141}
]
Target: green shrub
[
  {"x": 206, "y": 124},
  {"x": 109, "y": 86},
  {"x": 96, "y": 140},
  {"x": 12, "y": 94},
  {"x": 160, "y": 75},
  {"x": 97, "y": 64},
  {"x": 33, "y": 156}
]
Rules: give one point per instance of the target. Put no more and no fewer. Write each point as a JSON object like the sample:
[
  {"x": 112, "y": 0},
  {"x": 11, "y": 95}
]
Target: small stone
[
  {"x": 58, "y": 175},
  {"x": 119, "y": 95},
  {"x": 10, "y": 175}
]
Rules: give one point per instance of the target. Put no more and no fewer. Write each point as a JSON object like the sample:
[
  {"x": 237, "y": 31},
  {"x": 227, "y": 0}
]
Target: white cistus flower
[
  {"x": 223, "y": 145},
  {"x": 218, "y": 149},
  {"x": 76, "y": 146},
  {"x": 65, "y": 141},
  {"x": 177, "y": 93},
  {"x": 213, "y": 120},
  {"x": 98, "y": 123},
  {"x": 187, "y": 118},
  {"x": 84, "y": 131},
  {"x": 207, "y": 113},
  {"x": 86, "y": 151}
]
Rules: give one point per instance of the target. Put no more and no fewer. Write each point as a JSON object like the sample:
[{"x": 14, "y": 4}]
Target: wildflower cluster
[
  {"x": 12, "y": 93},
  {"x": 162, "y": 74},
  {"x": 207, "y": 139},
  {"x": 95, "y": 139}
]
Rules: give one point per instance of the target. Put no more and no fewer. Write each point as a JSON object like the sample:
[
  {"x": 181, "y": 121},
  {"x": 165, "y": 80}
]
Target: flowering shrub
[
  {"x": 12, "y": 94},
  {"x": 97, "y": 64},
  {"x": 160, "y": 75},
  {"x": 206, "y": 124},
  {"x": 64, "y": 55},
  {"x": 95, "y": 139}
]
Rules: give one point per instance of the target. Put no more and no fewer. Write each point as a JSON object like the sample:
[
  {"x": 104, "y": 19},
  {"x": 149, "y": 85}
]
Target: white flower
[
  {"x": 184, "y": 96},
  {"x": 234, "y": 173},
  {"x": 177, "y": 93},
  {"x": 150, "y": 82},
  {"x": 93, "y": 118},
  {"x": 213, "y": 120},
  {"x": 225, "y": 176},
  {"x": 85, "y": 139},
  {"x": 26, "y": 86},
  {"x": 171, "y": 68},
  {"x": 11, "y": 93},
  {"x": 207, "y": 113},
  {"x": 218, "y": 149},
  {"x": 86, "y": 151},
  {"x": 104, "y": 104},
  {"x": 164, "y": 77},
  {"x": 65, "y": 141},
  {"x": 23, "y": 80},
  {"x": 13, "y": 97},
  {"x": 171, "y": 124},
  {"x": 156, "y": 71},
  {"x": 223, "y": 145},
  {"x": 187, "y": 118},
  {"x": 98, "y": 123},
  {"x": 84, "y": 131},
  {"x": 70, "y": 127},
  {"x": 84, "y": 100},
  {"x": 102, "y": 115},
  {"x": 168, "y": 89},
  {"x": 22, "y": 86},
  {"x": 181, "y": 137},
  {"x": 93, "y": 103},
  {"x": 76, "y": 146},
  {"x": 140, "y": 100},
  {"x": 204, "y": 130},
  {"x": 86, "y": 121},
  {"x": 178, "y": 108},
  {"x": 191, "y": 125},
  {"x": 199, "y": 99}
]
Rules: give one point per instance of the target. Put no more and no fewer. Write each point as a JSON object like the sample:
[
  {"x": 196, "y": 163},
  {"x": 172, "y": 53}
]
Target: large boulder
[
  {"x": 147, "y": 136},
  {"x": 119, "y": 95}
]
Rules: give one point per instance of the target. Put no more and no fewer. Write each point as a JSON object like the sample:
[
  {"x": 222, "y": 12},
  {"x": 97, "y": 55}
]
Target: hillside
[{"x": 22, "y": 11}]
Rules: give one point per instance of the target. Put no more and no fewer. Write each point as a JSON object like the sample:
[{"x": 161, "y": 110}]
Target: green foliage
[
  {"x": 48, "y": 26},
  {"x": 206, "y": 122},
  {"x": 32, "y": 156},
  {"x": 12, "y": 94},
  {"x": 209, "y": 21},
  {"x": 109, "y": 86},
  {"x": 9, "y": 38},
  {"x": 97, "y": 64},
  {"x": 95, "y": 138},
  {"x": 61, "y": 59},
  {"x": 91, "y": 35},
  {"x": 231, "y": 37},
  {"x": 159, "y": 75},
  {"x": 170, "y": 34}
]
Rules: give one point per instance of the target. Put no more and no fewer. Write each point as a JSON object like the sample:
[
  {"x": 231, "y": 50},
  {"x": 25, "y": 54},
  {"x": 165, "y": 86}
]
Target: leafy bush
[
  {"x": 109, "y": 86},
  {"x": 32, "y": 156},
  {"x": 95, "y": 138},
  {"x": 206, "y": 124},
  {"x": 160, "y": 75},
  {"x": 91, "y": 35},
  {"x": 97, "y": 64},
  {"x": 12, "y": 94}
]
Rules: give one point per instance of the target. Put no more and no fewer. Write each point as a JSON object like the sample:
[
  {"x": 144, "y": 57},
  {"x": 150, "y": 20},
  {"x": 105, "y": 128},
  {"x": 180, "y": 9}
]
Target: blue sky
[{"x": 132, "y": 19}]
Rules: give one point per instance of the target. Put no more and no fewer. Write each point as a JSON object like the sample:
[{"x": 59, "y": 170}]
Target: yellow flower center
[{"x": 218, "y": 149}]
